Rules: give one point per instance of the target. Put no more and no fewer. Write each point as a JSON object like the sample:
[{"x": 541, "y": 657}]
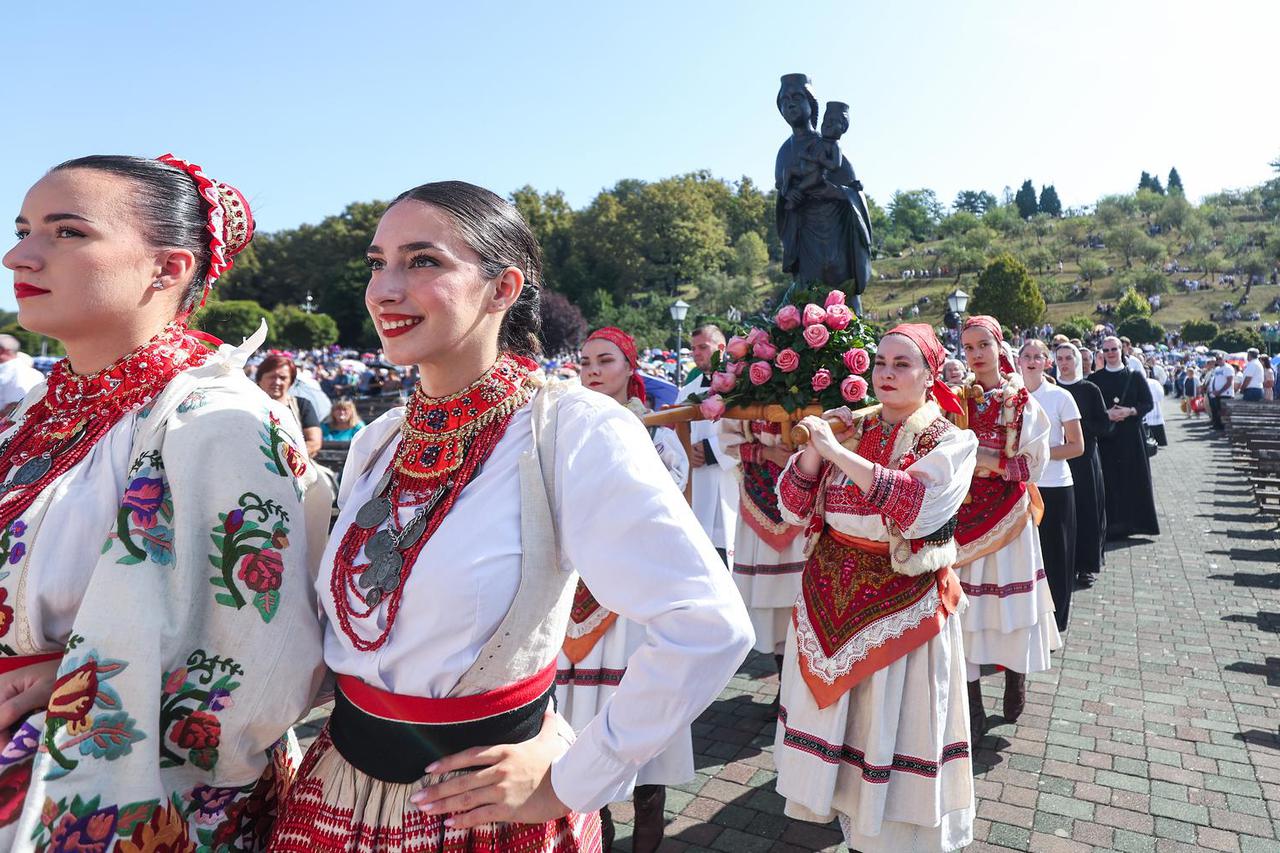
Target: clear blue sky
[{"x": 308, "y": 106}]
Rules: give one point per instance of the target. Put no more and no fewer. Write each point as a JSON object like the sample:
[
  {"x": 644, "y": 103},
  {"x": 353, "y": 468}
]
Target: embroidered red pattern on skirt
[
  {"x": 990, "y": 498},
  {"x": 835, "y": 753},
  {"x": 310, "y": 825}
]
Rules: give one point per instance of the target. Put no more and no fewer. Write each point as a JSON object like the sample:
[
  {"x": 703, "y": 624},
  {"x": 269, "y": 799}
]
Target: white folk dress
[
  {"x": 1010, "y": 619},
  {"x": 612, "y": 496},
  {"x": 768, "y": 552},
  {"x": 585, "y": 685},
  {"x": 888, "y": 756},
  {"x": 178, "y": 680}
]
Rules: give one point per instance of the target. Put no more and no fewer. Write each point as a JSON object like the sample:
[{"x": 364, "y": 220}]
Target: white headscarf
[{"x": 1075, "y": 354}]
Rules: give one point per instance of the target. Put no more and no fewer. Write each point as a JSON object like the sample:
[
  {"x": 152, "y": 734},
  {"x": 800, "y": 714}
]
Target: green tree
[
  {"x": 1150, "y": 251},
  {"x": 1075, "y": 326},
  {"x": 1113, "y": 209},
  {"x": 1175, "y": 182},
  {"x": 958, "y": 223},
  {"x": 1039, "y": 258},
  {"x": 1175, "y": 211},
  {"x": 1126, "y": 239},
  {"x": 1004, "y": 219},
  {"x": 232, "y": 320},
  {"x": 1238, "y": 339},
  {"x": 1141, "y": 330},
  {"x": 1132, "y": 304},
  {"x": 293, "y": 328},
  {"x": 1199, "y": 331},
  {"x": 563, "y": 326},
  {"x": 915, "y": 212},
  {"x": 1150, "y": 182},
  {"x": 976, "y": 202},
  {"x": 1026, "y": 201},
  {"x": 1092, "y": 269},
  {"x": 750, "y": 256},
  {"x": 1049, "y": 202},
  {"x": 1007, "y": 291},
  {"x": 1147, "y": 282},
  {"x": 551, "y": 220},
  {"x": 1148, "y": 202}
]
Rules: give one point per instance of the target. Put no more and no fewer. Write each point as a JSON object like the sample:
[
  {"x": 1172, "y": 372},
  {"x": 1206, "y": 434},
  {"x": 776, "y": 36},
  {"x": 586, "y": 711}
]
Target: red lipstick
[
  {"x": 399, "y": 324},
  {"x": 22, "y": 290}
]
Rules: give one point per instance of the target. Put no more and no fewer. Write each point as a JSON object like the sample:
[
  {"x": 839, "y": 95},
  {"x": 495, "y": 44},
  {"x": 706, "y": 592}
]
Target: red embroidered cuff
[
  {"x": 898, "y": 494},
  {"x": 1016, "y": 470},
  {"x": 797, "y": 493}
]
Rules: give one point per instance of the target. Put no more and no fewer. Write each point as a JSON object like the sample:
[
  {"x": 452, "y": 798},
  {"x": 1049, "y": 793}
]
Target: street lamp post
[
  {"x": 308, "y": 306},
  {"x": 957, "y": 302},
  {"x": 678, "y": 312}
]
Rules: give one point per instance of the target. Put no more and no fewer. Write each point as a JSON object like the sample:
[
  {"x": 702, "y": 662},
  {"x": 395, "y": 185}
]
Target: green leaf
[
  {"x": 129, "y": 560},
  {"x": 267, "y": 603},
  {"x": 133, "y": 814},
  {"x": 225, "y": 599},
  {"x": 217, "y": 580}
]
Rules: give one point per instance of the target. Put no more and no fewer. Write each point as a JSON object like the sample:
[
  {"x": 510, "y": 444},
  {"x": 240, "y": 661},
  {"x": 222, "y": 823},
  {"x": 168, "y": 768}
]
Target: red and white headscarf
[
  {"x": 923, "y": 336},
  {"x": 992, "y": 325},
  {"x": 626, "y": 343},
  {"x": 230, "y": 222}
]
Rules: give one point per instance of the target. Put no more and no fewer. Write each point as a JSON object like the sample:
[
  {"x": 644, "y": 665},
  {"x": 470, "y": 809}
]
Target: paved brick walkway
[{"x": 1156, "y": 731}]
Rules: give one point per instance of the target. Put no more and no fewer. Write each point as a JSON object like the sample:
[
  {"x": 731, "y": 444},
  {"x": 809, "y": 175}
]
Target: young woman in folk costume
[
  {"x": 157, "y": 613},
  {"x": 874, "y": 726},
  {"x": 449, "y": 578},
  {"x": 598, "y": 643},
  {"x": 1009, "y": 621},
  {"x": 768, "y": 551}
]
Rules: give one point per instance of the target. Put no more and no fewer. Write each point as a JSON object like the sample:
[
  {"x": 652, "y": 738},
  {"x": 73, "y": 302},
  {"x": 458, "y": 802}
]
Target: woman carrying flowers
[
  {"x": 873, "y": 727},
  {"x": 158, "y": 628}
]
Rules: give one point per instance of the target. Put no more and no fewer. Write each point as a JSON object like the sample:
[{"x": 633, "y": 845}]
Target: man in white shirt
[
  {"x": 1221, "y": 385},
  {"x": 1251, "y": 377},
  {"x": 715, "y": 488},
  {"x": 1131, "y": 360},
  {"x": 17, "y": 376}
]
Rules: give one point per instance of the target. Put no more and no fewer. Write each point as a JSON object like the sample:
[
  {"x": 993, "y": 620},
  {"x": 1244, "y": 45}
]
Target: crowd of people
[{"x": 517, "y": 613}]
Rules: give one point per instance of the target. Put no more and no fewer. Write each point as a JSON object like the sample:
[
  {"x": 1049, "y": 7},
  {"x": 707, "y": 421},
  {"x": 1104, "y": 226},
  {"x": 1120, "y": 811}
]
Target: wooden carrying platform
[{"x": 678, "y": 418}]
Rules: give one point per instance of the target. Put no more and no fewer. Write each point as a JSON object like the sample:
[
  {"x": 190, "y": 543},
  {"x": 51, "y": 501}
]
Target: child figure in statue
[{"x": 822, "y": 155}]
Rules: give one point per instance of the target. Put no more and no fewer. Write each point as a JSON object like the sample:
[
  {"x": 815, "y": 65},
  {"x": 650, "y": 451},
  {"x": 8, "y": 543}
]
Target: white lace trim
[
  {"x": 577, "y": 630},
  {"x": 861, "y": 644}
]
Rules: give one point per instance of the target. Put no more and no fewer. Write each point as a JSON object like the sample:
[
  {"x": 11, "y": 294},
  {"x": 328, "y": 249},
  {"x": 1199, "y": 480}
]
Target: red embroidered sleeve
[
  {"x": 1016, "y": 470},
  {"x": 898, "y": 494},
  {"x": 797, "y": 493},
  {"x": 749, "y": 452}
]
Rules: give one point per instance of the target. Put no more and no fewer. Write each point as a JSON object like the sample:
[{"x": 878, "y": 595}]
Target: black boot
[
  {"x": 606, "y": 830},
  {"x": 650, "y": 821},
  {"x": 977, "y": 715},
  {"x": 1015, "y": 695}
]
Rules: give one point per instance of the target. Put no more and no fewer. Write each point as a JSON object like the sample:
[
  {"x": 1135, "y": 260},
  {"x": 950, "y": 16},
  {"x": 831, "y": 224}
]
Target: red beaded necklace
[
  {"x": 444, "y": 441},
  {"x": 60, "y": 429}
]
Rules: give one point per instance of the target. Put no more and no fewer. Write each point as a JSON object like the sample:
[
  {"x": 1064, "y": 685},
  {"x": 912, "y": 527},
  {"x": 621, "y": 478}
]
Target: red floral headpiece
[
  {"x": 230, "y": 219},
  {"x": 626, "y": 343}
]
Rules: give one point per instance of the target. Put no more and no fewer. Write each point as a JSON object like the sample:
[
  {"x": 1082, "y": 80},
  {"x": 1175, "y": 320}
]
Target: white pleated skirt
[{"x": 769, "y": 582}]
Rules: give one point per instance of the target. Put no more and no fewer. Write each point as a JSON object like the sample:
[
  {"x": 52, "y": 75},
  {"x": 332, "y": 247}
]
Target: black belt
[{"x": 399, "y": 752}]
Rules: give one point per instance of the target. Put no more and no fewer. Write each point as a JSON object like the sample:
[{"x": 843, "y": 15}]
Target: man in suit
[{"x": 715, "y": 489}]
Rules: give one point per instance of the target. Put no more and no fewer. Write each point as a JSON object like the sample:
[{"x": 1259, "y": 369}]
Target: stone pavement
[{"x": 1156, "y": 731}]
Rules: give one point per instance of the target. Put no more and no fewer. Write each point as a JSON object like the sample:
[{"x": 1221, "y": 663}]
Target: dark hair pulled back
[
  {"x": 173, "y": 213},
  {"x": 493, "y": 229}
]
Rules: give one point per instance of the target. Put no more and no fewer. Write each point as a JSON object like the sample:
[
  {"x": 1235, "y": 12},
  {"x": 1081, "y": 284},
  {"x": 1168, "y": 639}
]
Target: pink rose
[
  {"x": 813, "y": 314},
  {"x": 857, "y": 360},
  {"x": 839, "y": 316},
  {"x": 765, "y": 350},
  {"x": 737, "y": 367},
  {"x": 760, "y": 372},
  {"x": 788, "y": 318},
  {"x": 821, "y": 380},
  {"x": 738, "y": 347},
  {"x": 816, "y": 336},
  {"x": 721, "y": 382},
  {"x": 788, "y": 360},
  {"x": 712, "y": 407},
  {"x": 853, "y": 388},
  {"x": 756, "y": 335},
  {"x": 835, "y": 297}
]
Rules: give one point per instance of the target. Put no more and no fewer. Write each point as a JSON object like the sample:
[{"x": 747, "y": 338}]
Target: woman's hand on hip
[
  {"x": 25, "y": 691},
  {"x": 511, "y": 785}
]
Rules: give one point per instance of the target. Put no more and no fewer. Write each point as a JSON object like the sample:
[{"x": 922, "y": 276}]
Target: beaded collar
[
  {"x": 437, "y": 430},
  {"x": 60, "y": 429}
]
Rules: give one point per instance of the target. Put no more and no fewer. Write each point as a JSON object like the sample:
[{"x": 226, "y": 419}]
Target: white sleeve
[
  {"x": 1068, "y": 411},
  {"x": 946, "y": 472},
  {"x": 672, "y": 454},
  {"x": 628, "y": 531},
  {"x": 1033, "y": 442}
]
